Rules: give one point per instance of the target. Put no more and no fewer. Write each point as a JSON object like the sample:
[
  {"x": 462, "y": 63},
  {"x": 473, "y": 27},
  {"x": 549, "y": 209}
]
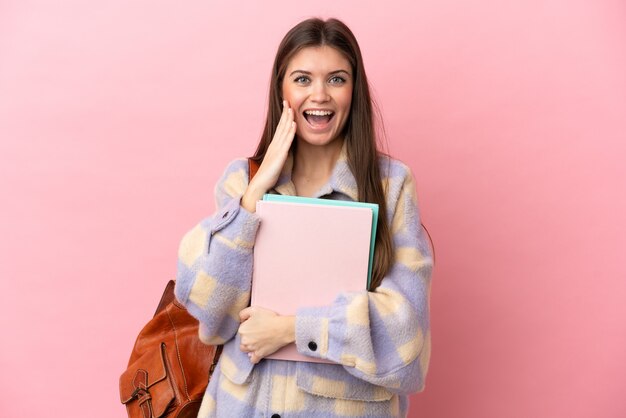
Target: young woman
[{"x": 319, "y": 141}]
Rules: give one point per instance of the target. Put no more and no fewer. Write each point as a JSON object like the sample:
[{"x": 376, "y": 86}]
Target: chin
[{"x": 318, "y": 140}]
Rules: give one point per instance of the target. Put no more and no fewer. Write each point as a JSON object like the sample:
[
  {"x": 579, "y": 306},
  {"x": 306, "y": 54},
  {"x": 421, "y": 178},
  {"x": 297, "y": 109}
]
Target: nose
[{"x": 319, "y": 93}]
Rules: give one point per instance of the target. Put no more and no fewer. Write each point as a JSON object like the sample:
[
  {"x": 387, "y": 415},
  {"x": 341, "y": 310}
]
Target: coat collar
[{"x": 341, "y": 180}]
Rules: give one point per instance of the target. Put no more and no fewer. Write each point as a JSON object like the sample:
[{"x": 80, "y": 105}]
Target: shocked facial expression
[{"x": 318, "y": 85}]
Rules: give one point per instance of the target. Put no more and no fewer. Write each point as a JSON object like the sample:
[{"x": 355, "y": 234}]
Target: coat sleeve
[
  {"x": 214, "y": 268},
  {"x": 382, "y": 337}
]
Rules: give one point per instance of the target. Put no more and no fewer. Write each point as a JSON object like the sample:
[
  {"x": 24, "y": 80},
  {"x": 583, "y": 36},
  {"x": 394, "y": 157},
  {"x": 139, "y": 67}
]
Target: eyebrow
[{"x": 309, "y": 73}]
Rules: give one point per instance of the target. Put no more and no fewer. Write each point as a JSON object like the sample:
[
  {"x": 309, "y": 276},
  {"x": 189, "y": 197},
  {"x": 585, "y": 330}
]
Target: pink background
[{"x": 117, "y": 117}]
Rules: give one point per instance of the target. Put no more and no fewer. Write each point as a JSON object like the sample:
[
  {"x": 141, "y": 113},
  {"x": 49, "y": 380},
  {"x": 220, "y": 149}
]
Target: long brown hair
[{"x": 360, "y": 130}]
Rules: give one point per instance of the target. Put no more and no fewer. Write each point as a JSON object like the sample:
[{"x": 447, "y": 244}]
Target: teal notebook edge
[{"x": 330, "y": 202}]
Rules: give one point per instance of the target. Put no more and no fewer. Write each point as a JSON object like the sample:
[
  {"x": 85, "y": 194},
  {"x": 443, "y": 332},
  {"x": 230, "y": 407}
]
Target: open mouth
[{"x": 318, "y": 118}]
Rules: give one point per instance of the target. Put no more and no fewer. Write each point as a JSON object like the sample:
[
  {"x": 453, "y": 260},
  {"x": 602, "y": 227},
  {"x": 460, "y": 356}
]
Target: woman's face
[{"x": 318, "y": 86}]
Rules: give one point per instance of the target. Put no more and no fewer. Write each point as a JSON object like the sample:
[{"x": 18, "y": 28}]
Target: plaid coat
[{"x": 380, "y": 340}]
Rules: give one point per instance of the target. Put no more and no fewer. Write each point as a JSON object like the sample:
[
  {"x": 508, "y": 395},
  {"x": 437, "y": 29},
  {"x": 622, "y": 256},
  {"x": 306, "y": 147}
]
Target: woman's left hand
[{"x": 263, "y": 332}]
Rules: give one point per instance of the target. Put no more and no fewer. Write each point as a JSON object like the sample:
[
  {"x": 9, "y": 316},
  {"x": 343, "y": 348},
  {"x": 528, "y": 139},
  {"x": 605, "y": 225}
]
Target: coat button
[
  {"x": 275, "y": 416},
  {"x": 312, "y": 346}
]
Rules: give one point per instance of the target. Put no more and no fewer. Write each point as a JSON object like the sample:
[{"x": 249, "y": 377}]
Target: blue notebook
[{"x": 330, "y": 202}]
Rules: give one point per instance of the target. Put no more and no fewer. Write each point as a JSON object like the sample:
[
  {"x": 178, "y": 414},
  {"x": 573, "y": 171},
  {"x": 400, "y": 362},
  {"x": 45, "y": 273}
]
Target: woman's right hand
[{"x": 273, "y": 162}]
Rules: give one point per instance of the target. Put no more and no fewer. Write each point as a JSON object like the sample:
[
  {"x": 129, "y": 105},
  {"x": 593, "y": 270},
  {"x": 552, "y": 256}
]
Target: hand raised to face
[{"x": 274, "y": 160}]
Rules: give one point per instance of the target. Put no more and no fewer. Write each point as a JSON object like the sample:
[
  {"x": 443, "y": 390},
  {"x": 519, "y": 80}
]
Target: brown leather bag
[{"x": 169, "y": 367}]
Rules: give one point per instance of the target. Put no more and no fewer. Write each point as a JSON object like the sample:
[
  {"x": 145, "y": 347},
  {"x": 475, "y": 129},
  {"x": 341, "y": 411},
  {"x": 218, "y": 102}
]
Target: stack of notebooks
[{"x": 307, "y": 252}]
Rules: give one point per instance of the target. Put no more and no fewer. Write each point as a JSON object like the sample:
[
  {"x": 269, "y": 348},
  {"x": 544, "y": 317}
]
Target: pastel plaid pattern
[{"x": 380, "y": 340}]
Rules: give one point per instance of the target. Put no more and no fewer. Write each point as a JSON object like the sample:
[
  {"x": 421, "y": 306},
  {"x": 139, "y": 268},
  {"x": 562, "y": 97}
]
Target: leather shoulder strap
[
  {"x": 253, "y": 167},
  {"x": 167, "y": 297},
  {"x": 432, "y": 244}
]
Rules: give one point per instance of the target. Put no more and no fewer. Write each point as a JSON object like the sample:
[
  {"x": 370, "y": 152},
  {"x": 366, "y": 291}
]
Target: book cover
[
  {"x": 349, "y": 203},
  {"x": 306, "y": 255}
]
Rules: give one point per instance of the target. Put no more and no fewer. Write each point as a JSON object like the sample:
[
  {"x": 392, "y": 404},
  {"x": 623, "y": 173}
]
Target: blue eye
[
  {"x": 337, "y": 80},
  {"x": 301, "y": 79}
]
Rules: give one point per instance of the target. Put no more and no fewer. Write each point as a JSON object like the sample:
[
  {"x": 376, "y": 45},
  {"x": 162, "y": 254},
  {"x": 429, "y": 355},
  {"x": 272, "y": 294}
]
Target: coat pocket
[{"x": 332, "y": 381}]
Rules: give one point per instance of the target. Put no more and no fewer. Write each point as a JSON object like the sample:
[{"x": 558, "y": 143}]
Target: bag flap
[{"x": 148, "y": 376}]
